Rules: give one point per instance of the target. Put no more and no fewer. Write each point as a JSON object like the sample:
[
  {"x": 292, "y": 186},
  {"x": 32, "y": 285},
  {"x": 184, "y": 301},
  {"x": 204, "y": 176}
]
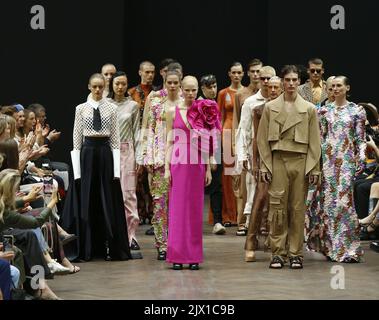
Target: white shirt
[{"x": 245, "y": 132}]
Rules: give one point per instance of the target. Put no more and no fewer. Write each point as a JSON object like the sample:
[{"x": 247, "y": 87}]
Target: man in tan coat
[
  {"x": 259, "y": 210},
  {"x": 290, "y": 149}
]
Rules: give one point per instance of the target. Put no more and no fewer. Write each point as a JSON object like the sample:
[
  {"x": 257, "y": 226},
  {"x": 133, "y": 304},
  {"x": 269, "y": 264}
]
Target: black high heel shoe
[
  {"x": 369, "y": 234},
  {"x": 107, "y": 256},
  {"x": 177, "y": 266}
]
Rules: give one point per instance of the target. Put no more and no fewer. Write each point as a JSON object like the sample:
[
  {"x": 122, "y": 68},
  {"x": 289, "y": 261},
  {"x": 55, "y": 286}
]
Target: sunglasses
[
  {"x": 315, "y": 70},
  {"x": 265, "y": 78}
]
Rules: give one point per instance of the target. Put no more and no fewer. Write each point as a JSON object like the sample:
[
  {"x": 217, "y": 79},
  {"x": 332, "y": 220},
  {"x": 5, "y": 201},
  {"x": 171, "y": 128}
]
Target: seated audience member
[
  {"x": 20, "y": 119},
  {"x": 15, "y": 273},
  {"x": 10, "y": 218},
  {"x": 50, "y": 136},
  {"x": 370, "y": 224},
  {"x": 60, "y": 236},
  {"x": 4, "y": 128},
  {"x": 30, "y": 136},
  {"x": 366, "y": 197},
  {"x": 5, "y": 280},
  {"x": 9, "y": 111}
]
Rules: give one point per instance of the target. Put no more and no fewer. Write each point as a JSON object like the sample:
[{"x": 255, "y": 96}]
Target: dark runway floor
[{"x": 223, "y": 275}]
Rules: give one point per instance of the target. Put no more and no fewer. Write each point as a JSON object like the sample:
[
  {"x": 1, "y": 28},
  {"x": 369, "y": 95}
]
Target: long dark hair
[
  {"x": 21, "y": 130},
  {"x": 117, "y": 74},
  {"x": 9, "y": 150}
]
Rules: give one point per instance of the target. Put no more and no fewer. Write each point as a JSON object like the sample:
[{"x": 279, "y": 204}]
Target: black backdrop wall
[{"x": 52, "y": 66}]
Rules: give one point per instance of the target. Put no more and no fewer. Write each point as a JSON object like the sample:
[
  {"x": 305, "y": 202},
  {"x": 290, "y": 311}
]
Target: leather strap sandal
[
  {"x": 276, "y": 263},
  {"x": 373, "y": 226},
  {"x": 241, "y": 232},
  {"x": 296, "y": 263}
]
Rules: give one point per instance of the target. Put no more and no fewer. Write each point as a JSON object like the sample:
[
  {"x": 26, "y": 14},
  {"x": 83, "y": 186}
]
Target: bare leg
[
  {"x": 372, "y": 227},
  {"x": 61, "y": 231},
  {"x": 47, "y": 257},
  {"x": 54, "y": 266},
  {"x": 66, "y": 263},
  {"x": 374, "y": 193},
  {"x": 45, "y": 293}
]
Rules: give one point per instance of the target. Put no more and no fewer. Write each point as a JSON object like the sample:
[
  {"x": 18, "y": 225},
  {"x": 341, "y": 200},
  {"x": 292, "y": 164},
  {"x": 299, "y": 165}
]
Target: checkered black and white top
[{"x": 83, "y": 125}]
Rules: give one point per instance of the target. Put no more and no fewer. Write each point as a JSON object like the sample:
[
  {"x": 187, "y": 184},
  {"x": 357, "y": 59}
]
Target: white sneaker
[
  {"x": 57, "y": 268},
  {"x": 219, "y": 229}
]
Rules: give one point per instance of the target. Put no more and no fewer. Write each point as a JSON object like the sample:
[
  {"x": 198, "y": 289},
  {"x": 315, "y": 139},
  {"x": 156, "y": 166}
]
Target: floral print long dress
[
  {"x": 343, "y": 153},
  {"x": 313, "y": 205},
  {"x": 154, "y": 153}
]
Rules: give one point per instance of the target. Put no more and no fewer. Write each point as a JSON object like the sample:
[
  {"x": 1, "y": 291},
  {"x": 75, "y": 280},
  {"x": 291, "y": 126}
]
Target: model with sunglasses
[
  {"x": 343, "y": 144},
  {"x": 314, "y": 90},
  {"x": 242, "y": 190},
  {"x": 259, "y": 212},
  {"x": 245, "y": 133}
]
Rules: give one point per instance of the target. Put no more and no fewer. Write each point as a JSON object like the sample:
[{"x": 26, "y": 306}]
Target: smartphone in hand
[{"x": 8, "y": 241}]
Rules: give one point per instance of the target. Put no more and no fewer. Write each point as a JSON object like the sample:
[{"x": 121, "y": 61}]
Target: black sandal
[
  {"x": 161, "y": 255},
  {"x": 296, "y": 263},
  {"x": 276, "y": 260},
  {"x": 350, "y": 260}
]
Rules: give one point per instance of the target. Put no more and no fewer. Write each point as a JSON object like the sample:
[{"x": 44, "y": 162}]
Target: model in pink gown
[{"x": 186, "y": 200}]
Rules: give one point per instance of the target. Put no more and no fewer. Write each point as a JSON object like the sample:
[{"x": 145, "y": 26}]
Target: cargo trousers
[{"x": 287, "y": 192}]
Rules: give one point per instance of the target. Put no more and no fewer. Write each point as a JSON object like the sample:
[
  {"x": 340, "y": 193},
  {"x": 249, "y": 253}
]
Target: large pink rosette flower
[{"x": 204, "y": 118}]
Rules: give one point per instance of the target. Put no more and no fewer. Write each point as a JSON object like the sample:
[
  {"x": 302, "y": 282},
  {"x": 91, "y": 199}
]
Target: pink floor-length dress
[{"x": 185, "y": 230}]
